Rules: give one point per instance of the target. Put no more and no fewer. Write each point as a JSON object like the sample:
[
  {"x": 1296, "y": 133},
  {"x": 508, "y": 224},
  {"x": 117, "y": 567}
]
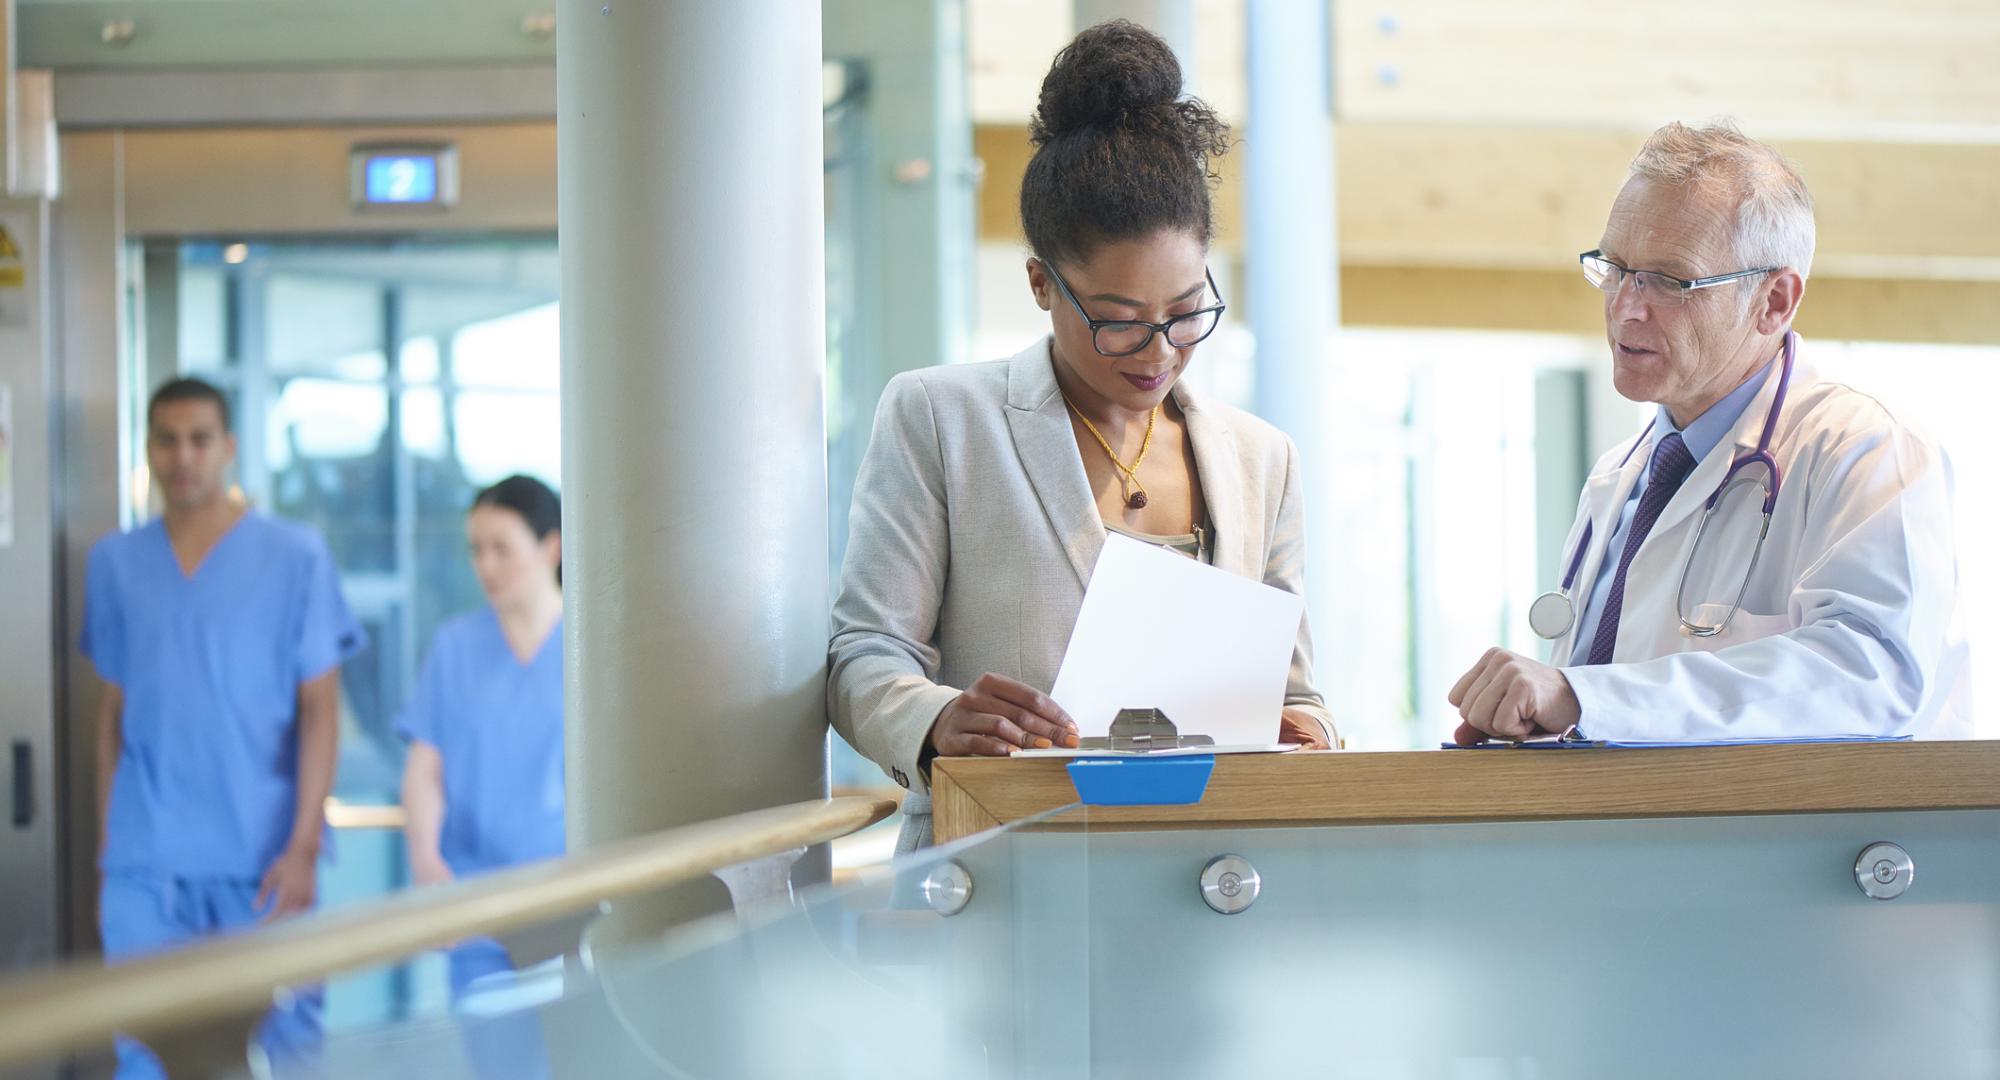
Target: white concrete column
[
  {"x": 1292, "y": 272},
  {"x": 694, "y": 457}
]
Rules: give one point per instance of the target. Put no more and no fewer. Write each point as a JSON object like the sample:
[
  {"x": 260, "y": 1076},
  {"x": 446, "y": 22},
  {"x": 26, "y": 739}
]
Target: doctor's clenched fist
[{"x": 1509, "y": 696}]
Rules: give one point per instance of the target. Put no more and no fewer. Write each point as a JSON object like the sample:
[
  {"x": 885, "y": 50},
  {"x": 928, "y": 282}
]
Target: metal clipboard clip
[
  {"x": 1570, "y": 739},
  {"x": 1142, "y": 730}
]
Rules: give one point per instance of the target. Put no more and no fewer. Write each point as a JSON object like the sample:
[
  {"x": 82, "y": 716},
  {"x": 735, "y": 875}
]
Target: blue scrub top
[
  {"x": 210, "y": 666},
  {"x": 498, "y": 725}
]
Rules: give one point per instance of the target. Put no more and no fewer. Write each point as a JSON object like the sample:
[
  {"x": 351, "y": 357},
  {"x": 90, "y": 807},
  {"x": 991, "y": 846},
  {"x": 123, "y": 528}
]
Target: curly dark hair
[{"x": 1118, "y": 152}]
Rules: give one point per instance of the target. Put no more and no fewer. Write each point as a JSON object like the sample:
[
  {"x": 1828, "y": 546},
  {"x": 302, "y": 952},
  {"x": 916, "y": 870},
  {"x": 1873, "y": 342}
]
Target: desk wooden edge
[{"x": 970, "y": 795}]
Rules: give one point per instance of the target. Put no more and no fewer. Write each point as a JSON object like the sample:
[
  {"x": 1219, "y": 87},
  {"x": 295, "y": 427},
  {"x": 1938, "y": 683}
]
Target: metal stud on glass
[
  {"x": 1229, "y": 884},
  {"x": 1884, "y": 871},
  {"x": 947, "y": 888}
]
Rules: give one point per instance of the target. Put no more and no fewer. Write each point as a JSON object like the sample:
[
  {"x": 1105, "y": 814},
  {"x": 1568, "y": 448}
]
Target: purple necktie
[{"x": 1671, "y": 465}]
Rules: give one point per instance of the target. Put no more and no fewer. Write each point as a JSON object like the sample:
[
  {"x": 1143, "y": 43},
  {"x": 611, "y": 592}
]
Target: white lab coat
[{"x": 1849, "y": 625}]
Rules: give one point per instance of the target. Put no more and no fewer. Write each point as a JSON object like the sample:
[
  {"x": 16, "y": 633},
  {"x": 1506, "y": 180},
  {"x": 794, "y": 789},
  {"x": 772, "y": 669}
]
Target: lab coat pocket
[{"x": 1744, "y": 626}]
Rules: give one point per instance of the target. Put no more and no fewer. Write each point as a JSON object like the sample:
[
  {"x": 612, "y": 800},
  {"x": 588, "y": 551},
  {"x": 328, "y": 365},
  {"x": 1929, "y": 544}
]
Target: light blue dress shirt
[{"x": 1702, "y": 436}]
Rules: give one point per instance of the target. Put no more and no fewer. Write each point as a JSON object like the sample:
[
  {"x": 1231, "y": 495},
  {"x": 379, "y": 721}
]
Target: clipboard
[
  {"x": 1149, "y": 733},
  {"x": 1575, "y": 740}
]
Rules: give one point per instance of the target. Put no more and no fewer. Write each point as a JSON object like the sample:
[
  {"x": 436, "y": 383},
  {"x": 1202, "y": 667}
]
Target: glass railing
[
  {"x": 959, "y": 960},
  {"x": 1735, "y": 946},
  {"x": 1715, "y": 946}
]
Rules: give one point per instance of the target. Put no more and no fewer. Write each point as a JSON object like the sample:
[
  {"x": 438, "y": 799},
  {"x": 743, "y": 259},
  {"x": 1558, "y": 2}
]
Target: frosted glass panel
[
  {"x": 1546, "y": 951},
  {"x": 1727, "y": 946}
]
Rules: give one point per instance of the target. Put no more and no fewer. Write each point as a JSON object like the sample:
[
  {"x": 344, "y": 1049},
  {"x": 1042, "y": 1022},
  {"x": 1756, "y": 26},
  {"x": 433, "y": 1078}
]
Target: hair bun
[
  {"x": 1109, "y": 72},
  {"x": 1119, "y": 153}
]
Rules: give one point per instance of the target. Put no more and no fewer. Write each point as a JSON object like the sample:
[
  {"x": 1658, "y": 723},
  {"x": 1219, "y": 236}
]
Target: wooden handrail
[
  {"x": 341, "y": 814},
  {"x": 85, "y": 1002}
]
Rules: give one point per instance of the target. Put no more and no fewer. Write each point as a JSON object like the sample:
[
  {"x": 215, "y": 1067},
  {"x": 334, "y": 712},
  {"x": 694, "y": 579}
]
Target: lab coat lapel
[
  {"x": 1047, "y": 445},
  {"x": 1605, "y": 495}
]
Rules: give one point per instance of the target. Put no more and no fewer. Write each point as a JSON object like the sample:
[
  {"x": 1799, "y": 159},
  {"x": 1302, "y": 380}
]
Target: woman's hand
[
  {"x": 996, "y": 716},
  {"x": 1296, "y": 725}
]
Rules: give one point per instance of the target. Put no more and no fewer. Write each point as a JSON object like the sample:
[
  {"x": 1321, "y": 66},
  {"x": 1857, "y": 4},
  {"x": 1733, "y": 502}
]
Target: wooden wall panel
[
  {"x": 1433, "y": 195},
  {"x": 1837, "y": 68},
  {"x": 1848, "y": 309},
  {"x": 1479, "y": 227}
]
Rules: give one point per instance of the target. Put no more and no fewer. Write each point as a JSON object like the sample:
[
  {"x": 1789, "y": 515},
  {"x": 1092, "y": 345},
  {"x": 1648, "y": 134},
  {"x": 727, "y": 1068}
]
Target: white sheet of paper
[{"x": 1160, "y": 630}]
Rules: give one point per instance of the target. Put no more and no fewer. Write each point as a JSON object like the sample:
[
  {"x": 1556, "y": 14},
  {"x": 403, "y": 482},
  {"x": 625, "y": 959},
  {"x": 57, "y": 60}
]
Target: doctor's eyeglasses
[
  {"x": 1652, "y": 285},
  {"x": 1123, "y": 337}
]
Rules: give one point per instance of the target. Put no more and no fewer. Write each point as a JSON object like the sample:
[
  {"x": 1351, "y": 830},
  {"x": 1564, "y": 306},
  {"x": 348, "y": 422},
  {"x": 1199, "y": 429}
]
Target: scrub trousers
[{"x": 141, "y": 912}]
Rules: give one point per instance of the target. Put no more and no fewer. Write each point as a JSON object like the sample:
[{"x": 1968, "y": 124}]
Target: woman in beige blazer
[{"x": 987, "y": 489}]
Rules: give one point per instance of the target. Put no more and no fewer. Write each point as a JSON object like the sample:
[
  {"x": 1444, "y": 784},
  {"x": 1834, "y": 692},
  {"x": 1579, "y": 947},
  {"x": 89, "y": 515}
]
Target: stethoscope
[{"x": 1553, "y": 613}]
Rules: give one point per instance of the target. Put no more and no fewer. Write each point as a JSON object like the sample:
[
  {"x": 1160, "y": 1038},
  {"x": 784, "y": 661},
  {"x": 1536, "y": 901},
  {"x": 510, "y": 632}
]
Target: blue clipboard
[{"x": 1137, "y": 780}]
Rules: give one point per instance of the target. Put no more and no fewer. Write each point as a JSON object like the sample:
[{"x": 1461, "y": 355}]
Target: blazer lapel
[
  {"x": 1046, "y": 444},
  {"x": 1220, "y": 470}
]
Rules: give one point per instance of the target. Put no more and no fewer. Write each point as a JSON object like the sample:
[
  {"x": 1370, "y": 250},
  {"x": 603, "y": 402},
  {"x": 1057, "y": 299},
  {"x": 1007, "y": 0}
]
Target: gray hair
[{"x": 1774, "y": 211}]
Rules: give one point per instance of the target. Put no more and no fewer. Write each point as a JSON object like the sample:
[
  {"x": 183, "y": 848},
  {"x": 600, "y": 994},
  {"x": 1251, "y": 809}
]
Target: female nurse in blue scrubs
[{"x": 483, "y": 782}]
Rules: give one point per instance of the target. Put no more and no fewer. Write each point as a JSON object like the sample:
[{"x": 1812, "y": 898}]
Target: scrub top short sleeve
[
  {"x": 418, "y": 722},
  {"x": 328, "y": 632},
  {"x": 103, "y": 631}
]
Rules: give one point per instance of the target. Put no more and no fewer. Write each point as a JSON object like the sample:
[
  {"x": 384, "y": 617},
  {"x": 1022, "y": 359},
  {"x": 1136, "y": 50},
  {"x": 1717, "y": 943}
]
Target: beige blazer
[{"x": 973, "y": 535}]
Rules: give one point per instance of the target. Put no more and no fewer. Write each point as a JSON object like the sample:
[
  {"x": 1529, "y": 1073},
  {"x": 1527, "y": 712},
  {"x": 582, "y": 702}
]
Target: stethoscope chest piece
[{"x": 1551, "y": 615}]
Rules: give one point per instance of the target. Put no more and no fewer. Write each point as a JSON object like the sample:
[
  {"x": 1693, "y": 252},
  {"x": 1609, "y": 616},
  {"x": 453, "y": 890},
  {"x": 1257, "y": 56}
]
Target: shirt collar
[{"x": 1708, "y": 430}]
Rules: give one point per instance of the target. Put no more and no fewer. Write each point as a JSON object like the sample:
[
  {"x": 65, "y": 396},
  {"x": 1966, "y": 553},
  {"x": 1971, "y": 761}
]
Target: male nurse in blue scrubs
[{"x": 218, "y": 634}]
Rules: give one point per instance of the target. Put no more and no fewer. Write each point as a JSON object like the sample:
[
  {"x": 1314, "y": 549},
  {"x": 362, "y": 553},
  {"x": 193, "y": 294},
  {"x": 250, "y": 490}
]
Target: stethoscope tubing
[{"x": 1760, "y": 456}]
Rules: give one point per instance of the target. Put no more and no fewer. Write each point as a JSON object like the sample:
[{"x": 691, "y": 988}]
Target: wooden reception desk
[{"x": 1370, "y": 787}]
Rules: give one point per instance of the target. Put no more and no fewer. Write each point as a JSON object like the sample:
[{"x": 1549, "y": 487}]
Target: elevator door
[
  {"x": 376, "y": 386},
  {"x": 29, "y": 839}
]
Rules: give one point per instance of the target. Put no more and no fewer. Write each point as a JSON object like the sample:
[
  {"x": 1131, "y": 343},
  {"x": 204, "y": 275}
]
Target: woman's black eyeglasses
[{"x": 1123, "y": 337}]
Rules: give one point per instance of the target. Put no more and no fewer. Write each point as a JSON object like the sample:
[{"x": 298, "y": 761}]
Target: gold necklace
[{"x": 1136, "y": 500}]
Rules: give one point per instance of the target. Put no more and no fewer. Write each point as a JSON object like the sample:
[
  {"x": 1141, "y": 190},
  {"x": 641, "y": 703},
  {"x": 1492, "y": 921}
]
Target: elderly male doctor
[{"x": 1842, "y": 622}]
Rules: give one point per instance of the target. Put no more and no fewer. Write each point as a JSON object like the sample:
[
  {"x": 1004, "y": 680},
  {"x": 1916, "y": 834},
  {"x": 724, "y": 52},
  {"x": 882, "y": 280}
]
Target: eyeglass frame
[
  {"x": 1152, "y": 328},
  {"x": 1682, "y": 286}
]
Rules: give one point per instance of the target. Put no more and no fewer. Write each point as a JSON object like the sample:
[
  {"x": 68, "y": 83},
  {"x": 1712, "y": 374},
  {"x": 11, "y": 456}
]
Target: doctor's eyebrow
[
  {"x": 1673, "y": 270},
  {"x": 1113, "y": 298}
]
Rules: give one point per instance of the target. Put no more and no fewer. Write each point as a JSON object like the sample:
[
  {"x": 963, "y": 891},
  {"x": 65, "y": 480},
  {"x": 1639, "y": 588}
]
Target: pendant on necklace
[{"x": 1137, "y": 501}]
